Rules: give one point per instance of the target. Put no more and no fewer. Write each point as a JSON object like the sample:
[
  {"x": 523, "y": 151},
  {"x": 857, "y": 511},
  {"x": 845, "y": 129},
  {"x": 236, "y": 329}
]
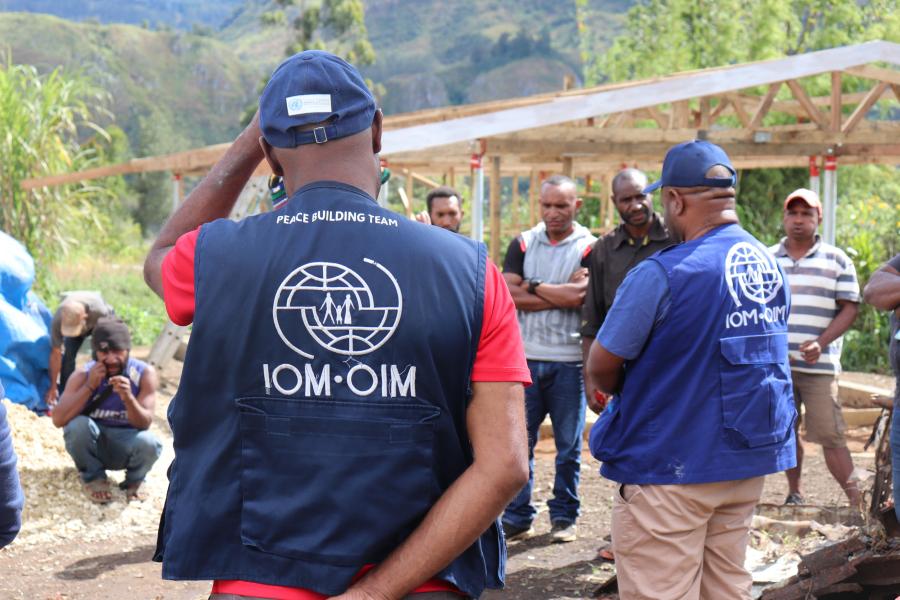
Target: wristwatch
[{"x": 533, "y": 284}]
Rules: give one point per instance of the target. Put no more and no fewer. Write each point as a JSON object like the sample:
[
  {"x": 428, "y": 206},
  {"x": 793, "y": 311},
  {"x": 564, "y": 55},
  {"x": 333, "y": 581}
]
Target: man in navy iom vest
[
  {"x": 331, "y": 437},
  {"x": 694, "y": 349}
]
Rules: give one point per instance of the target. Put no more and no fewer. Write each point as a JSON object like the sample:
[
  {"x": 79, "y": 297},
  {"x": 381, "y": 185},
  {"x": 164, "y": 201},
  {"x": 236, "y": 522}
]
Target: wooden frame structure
[{"x": 759, "y": 112}]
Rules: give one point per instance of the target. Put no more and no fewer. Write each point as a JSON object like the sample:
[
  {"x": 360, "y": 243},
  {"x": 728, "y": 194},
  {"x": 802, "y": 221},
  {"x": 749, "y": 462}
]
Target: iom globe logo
[
  {"x": 752, "y": 273},
  {"x": 335, "y": 307}
]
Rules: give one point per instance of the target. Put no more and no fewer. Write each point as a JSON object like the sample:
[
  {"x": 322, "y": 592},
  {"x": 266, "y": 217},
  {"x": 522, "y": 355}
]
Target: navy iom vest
[
  {"x": 321, "y": 412},
  {"x": 709, "y": 398}
]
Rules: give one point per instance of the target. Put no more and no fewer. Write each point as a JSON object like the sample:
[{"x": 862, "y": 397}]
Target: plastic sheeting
[{"x": 24, "y": 328}]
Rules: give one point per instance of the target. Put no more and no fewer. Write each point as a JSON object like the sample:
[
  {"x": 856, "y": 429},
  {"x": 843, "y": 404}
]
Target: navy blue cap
[
  {"x": 314, "y": 87},
  {"x": 686, "y": 166}
]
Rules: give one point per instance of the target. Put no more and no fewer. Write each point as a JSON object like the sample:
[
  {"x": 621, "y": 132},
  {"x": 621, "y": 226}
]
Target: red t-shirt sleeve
[
  {"x": 178, "y": 279},
  {"x": 500, "y": 356}
]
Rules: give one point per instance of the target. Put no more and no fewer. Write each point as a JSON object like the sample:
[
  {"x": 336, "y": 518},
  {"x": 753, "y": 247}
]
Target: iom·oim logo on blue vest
[
  {"x": 330, "y": 305},
  {"x": 752, "y": 274}
]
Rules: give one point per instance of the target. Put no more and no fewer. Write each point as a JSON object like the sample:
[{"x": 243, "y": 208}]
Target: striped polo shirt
[
  {"x": 818, "y": 280},
  {"x": 552, "y": 335}
]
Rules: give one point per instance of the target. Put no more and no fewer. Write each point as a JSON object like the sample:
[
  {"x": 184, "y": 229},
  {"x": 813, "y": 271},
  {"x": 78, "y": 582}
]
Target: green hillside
[
  {"x": 190, "y": 88},
  {"x": 432, "y": 53},
  {"x": 174, "y": 89},
  {"x": 180, "y": 14}
]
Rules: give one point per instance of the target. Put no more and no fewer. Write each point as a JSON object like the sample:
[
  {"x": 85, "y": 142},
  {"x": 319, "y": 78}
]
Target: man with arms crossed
[
  {"x": 331, "y": 437},
  {"x": 640, "y": 235},
  {"x": 825, "y": 303},
  {"x": 695, "y": 350},
  {"x": 546, "y": 274}
]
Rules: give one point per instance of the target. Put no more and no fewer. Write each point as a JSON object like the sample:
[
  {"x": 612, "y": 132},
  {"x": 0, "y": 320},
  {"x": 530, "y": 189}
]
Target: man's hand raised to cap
[{"x": 212, "y": 199}]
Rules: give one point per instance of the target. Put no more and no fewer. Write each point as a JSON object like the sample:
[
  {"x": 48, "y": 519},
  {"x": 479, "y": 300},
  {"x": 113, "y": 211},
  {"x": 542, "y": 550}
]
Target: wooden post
[
  {"x": 495, "y": 209},
  {"x": 533, "y": 197},
  {"x": 836, "y": 104},
  {"x": 704, "y": 112},
  {"x": 515, "y": 203},
  {"x": 567, "y": 166},
  {"x": 451, "y": 178},
  {"x": 610, "y": 207}
]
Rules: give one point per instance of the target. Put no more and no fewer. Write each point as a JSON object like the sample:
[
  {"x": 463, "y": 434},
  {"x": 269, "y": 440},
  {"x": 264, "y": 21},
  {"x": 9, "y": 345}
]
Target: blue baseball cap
[
  {"x": 686, "y": 165},
  {"x": 314, "y": 87}
]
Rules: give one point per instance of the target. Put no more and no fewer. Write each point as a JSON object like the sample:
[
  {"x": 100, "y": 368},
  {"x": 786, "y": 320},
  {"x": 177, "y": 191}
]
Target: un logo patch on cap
[{"x": 294, "y": 105}]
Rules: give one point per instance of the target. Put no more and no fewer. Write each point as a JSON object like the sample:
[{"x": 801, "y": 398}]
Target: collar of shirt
[
  {"x": 782, "y": 249},
  {"x": 657, "y": 233}
]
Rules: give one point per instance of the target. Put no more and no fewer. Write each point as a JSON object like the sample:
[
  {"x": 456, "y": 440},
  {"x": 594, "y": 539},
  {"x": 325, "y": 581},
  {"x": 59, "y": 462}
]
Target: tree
[
  {"x": 665, "y": 36},
  {"x": 338, "y": 26},
  {"x": 42, "y": 118}
]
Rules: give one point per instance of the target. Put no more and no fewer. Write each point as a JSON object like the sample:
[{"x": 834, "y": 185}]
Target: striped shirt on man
[
  {"x": 818, "y": 281},
  {"x": 550, "y": 335}
]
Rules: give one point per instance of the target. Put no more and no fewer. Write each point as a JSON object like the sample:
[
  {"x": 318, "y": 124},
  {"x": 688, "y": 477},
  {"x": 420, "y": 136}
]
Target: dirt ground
[{"x": 106, "y": 553}]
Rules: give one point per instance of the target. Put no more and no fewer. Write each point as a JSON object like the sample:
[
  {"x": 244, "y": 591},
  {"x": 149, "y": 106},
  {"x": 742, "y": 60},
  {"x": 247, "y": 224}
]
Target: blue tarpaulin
[{"x": 24, "y": 328}]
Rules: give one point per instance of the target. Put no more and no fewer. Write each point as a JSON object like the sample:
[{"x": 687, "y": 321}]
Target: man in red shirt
[{"x": 347, "y": 163}]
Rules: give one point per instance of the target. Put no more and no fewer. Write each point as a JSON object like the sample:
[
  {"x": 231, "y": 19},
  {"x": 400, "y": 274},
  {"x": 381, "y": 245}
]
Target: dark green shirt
[{"x": 613, "y": 256}]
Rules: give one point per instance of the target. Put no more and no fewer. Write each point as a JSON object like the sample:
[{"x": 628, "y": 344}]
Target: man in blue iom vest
[
  {"x": 331, "y": 437},
  {"x": 694, "y": 349}
]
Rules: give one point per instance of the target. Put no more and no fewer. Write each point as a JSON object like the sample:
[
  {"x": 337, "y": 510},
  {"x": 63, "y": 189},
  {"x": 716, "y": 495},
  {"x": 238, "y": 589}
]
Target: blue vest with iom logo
[
  {"x": 321, "y": 412},
  {"x": 709, "y": 398}
]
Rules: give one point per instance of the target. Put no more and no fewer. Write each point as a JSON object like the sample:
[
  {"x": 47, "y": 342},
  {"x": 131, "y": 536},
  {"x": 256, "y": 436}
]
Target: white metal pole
[
  {"x": 830, "y": 199},
  {"x": 477, "y": 199},
  {"x": 814, "y": 174},
  {"x": 383, "y": 194}
]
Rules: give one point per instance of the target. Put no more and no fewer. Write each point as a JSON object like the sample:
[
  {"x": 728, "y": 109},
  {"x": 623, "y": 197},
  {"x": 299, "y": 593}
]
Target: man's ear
[
  {"x": 376, "y": 131},
  {"x": 675, "y": 199},
  {"x": 578, "y": 203},
  {"x": 269, "y": 153}
]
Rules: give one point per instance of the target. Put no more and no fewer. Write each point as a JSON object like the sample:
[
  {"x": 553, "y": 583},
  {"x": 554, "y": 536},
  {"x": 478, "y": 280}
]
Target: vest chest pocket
[
  {"x": 757, "y": 404},
  {"x": 334, "y": 482}
]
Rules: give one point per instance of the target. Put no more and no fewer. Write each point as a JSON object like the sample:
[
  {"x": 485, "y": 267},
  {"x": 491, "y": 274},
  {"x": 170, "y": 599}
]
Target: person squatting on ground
[
  {"x": 640, "y": 235},
  {"x": 545, "y": 269},
  {"x": 73, "y": 321},
  {"x": 358, "y": 448},
  {"x": 825, "y": 302},
  {"x": 444, "y": 209},
  {"x": 883, "y": 292},
  {"x": 106, "y": 411},
  {"x": 11, "y": 498},
  {"x": 694, "y": 350}
]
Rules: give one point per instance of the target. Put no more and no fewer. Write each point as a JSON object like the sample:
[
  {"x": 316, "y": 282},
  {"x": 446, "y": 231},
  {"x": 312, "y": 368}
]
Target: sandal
[
  {"x": 134, "y": 491},
  {"x": 98, "y": 492}
]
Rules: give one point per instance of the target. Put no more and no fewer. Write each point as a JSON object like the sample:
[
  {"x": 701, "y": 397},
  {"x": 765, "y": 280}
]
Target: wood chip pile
[{"x": 56, "y": 508}]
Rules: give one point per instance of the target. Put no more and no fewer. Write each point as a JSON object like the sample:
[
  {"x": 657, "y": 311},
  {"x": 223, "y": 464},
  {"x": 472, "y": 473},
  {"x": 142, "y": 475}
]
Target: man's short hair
[
  {"x": 559, "y": 181},
  {"x": 441, "y": 192},
  {"x": 630, "y": 173}
]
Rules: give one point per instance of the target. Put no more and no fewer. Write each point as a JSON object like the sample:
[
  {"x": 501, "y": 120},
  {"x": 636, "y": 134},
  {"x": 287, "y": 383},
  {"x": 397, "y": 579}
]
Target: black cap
[{"x": 110, "y": 334}]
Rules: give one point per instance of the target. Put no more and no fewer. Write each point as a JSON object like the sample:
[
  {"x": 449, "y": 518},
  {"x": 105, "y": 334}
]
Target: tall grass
[{"x": 42, "y": 118}]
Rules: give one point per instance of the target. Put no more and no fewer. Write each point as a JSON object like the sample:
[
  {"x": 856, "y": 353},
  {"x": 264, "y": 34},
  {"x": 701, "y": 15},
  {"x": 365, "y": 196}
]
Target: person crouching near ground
[
  {"x": 105, "y": 411},
  {"x": 695, "y": 350}
]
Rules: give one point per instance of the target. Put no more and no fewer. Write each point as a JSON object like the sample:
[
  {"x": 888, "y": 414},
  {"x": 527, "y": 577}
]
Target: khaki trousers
[{"x": 684, "y": 542}]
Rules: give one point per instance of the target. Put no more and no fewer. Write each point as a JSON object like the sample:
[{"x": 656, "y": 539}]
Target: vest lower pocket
[
  {"x": 334, "y": 481},
  {"x": 757, "y": 404}
]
